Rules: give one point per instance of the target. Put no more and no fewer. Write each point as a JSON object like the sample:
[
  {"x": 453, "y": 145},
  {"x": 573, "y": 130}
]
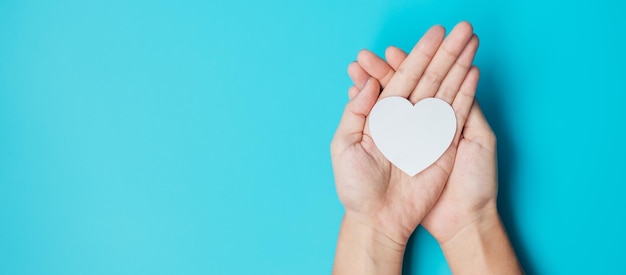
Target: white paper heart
[{"x": 412, "y": 137}]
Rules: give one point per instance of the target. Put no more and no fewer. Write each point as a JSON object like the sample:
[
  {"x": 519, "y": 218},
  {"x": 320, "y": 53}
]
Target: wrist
[
  {"x": 478, "y": 225},
  {"x": 481, "y": 247},
  {"x": 446, "y": 224},
  {"x": 363, "y": 248}
]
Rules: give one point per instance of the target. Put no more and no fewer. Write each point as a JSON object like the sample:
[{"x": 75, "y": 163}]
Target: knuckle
[
  {"x": 408, "y": 72},
  {"x": 447, "y": 92},
  {"x": 426, "y": 52},
  {"x": 433, "y": 76},
  {"x": 447, "y": 52},
  {"x": 463, "y": 65},
  {"x": 491, "y": 139},
  {"x": 334, "y": 147}
]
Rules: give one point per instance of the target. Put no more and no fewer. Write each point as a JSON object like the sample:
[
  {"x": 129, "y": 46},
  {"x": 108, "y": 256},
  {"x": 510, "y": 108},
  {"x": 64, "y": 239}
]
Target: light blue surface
[{"x": 191, "y": 137}]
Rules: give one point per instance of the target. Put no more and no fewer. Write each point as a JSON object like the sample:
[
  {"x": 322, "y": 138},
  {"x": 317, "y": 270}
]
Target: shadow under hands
[
  {"x": 407, "y": 264},
  {"x": 490, "y": 96}
]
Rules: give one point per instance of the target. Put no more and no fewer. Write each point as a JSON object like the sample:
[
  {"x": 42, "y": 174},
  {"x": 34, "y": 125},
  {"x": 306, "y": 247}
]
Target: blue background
[{"x": 192, "y": 137}]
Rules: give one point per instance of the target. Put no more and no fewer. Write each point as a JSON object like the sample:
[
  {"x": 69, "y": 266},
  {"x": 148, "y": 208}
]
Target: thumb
[
  {"x": 350, "y": 130},
  {"x": 477, "y": 128}
]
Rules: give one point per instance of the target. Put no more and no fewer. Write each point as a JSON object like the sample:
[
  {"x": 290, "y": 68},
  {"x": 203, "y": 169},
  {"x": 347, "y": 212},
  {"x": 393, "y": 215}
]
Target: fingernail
[{"x": 366, "y": 82}]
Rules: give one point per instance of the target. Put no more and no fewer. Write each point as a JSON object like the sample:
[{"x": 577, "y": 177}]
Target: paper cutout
[{"x": 412, "y": 137}]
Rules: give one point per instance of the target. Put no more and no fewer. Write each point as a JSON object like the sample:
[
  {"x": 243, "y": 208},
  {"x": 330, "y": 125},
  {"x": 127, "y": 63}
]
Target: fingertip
[
  {"x": 437, "y": 29},
  {"x": 473, "y": 45},
  {"x": 474, "y": 39},
  {"x": 391, "y": 48},
  {"x": 352, "y": 92},
  {"x": 368, "y": 84},
  {"x": 372, "y": 83},
  {"x": 373, "y": 92},
  {"x": 371, "y": 88},
  {"x": 395, "y": 56},
  {"x": 363, "y": 55},
  {"x": 395, "y": 51},
  {"x": 475, "y": 70},
  {"x": 364, "y": 100},
  {"x": 465, "y": 26},
  {"x": 474, "y": 74},
  {"x": 433, "y": 37},
  {"x": 352, "y": 68},
  {"x": 357, "y": 74},
  {"x": 368, "y": 61}
]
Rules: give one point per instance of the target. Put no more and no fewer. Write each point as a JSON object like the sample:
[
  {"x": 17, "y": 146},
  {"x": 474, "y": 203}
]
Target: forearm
[
  {"x": 482, "y": 247},
  {"x": 361, "y": 249}
]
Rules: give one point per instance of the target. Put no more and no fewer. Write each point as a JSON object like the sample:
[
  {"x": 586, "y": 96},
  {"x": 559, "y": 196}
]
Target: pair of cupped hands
[{"x": 454, "y": 193}]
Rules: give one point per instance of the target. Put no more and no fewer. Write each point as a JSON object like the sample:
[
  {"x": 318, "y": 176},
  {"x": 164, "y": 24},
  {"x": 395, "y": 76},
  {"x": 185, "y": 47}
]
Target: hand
[
  {"x": 375, "y": 194},
  {"x": 465, "y": 220},
  {"x": 470, "y": 193}
]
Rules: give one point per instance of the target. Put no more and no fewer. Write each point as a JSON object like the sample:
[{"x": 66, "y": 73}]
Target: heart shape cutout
[{"x": 412, "y": 137}]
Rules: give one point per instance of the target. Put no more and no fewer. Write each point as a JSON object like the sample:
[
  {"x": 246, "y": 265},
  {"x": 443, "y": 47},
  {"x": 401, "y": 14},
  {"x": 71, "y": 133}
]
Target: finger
[
  {"x": 411, "y": 70},
  {"x": 443, "y": 60},
  {"x": 477, "y": 128},
  {"x": 464, "y": 100},
  {"x": 357, "y": 74},
  {"x": 350, "y": 130},
  {"x": 451, "y": 84},
  {"x": 352, "y": 92},
  {"x": 395, "y": 56},
  {"x": 375, "y": 66}
]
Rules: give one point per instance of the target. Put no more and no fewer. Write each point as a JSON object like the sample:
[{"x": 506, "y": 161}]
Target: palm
[
  {"x": 472, "y": 184},
  {"x": 368, "y": 183}
]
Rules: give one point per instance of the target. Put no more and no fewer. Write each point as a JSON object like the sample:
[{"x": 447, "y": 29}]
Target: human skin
[
  {"x": 464, "y": 220},
  {"x": 383, "y": 205}
]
